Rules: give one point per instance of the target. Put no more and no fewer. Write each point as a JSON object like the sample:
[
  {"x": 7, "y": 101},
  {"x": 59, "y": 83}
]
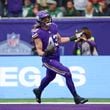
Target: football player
[{"x": 47, "y": 41}]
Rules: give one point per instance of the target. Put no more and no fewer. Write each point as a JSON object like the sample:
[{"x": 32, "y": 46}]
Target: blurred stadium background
[{"x": 21, "y": 70}]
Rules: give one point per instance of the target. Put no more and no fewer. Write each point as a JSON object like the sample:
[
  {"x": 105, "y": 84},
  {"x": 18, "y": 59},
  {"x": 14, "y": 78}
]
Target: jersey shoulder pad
[
  {"x": 54, "y": 28},
  {"x": 35, "y": 33}
]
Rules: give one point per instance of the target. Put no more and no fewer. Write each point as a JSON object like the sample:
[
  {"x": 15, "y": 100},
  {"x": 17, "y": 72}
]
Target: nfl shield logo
[{"x": 13, "y": 39}]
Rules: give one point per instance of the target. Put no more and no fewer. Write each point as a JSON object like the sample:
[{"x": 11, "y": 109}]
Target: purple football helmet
[{"x": 43, "y": 17}]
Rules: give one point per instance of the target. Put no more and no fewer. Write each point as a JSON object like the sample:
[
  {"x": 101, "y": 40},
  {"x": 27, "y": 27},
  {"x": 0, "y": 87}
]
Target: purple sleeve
[{"x": 35, "y": 33}]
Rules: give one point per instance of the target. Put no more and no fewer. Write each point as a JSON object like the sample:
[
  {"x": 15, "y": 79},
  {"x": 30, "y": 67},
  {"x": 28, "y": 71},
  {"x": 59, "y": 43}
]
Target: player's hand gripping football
[{"x": 49, "y": 50}]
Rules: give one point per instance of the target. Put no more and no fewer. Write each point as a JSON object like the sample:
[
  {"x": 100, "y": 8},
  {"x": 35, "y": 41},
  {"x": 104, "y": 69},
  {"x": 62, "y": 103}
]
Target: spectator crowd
[{"x": 56, "y": 8}]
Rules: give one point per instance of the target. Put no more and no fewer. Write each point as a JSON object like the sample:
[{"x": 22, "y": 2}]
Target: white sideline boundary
[{"x": 52, "y": 103}]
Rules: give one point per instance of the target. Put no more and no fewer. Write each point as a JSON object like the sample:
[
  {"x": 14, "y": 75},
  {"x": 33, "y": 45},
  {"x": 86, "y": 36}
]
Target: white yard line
[{"x": 52, "y": 103}]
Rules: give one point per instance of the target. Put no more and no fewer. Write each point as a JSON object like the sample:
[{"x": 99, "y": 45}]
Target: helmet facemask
[{"x": 46, "y": 21}]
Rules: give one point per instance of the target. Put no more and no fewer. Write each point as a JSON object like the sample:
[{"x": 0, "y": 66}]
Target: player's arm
[
  {"x": 65, "y": 39},
  {"x": 38, "y": 45},
  {"x": 39, "y": 48}
]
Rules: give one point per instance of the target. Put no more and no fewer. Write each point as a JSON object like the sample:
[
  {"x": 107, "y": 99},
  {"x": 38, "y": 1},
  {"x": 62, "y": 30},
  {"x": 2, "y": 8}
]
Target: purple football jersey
[{"x": 48, "y": 37}]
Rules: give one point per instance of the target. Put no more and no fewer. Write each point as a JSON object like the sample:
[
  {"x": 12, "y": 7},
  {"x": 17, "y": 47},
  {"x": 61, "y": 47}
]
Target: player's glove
[
  {"x": 76, "y": 36},
  {"x": 49, "y": 50},
  {"x": 73, "y": 38},
  {"x": 79, "y": 34}
]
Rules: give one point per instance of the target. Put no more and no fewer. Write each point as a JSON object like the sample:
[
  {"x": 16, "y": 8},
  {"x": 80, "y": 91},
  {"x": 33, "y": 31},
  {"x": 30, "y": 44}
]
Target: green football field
[{"x": 94, "y": 100}]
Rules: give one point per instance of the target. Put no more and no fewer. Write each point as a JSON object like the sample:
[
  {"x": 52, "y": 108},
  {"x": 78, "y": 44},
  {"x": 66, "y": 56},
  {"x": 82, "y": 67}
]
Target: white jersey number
[{"x": 53, "y": 40}]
